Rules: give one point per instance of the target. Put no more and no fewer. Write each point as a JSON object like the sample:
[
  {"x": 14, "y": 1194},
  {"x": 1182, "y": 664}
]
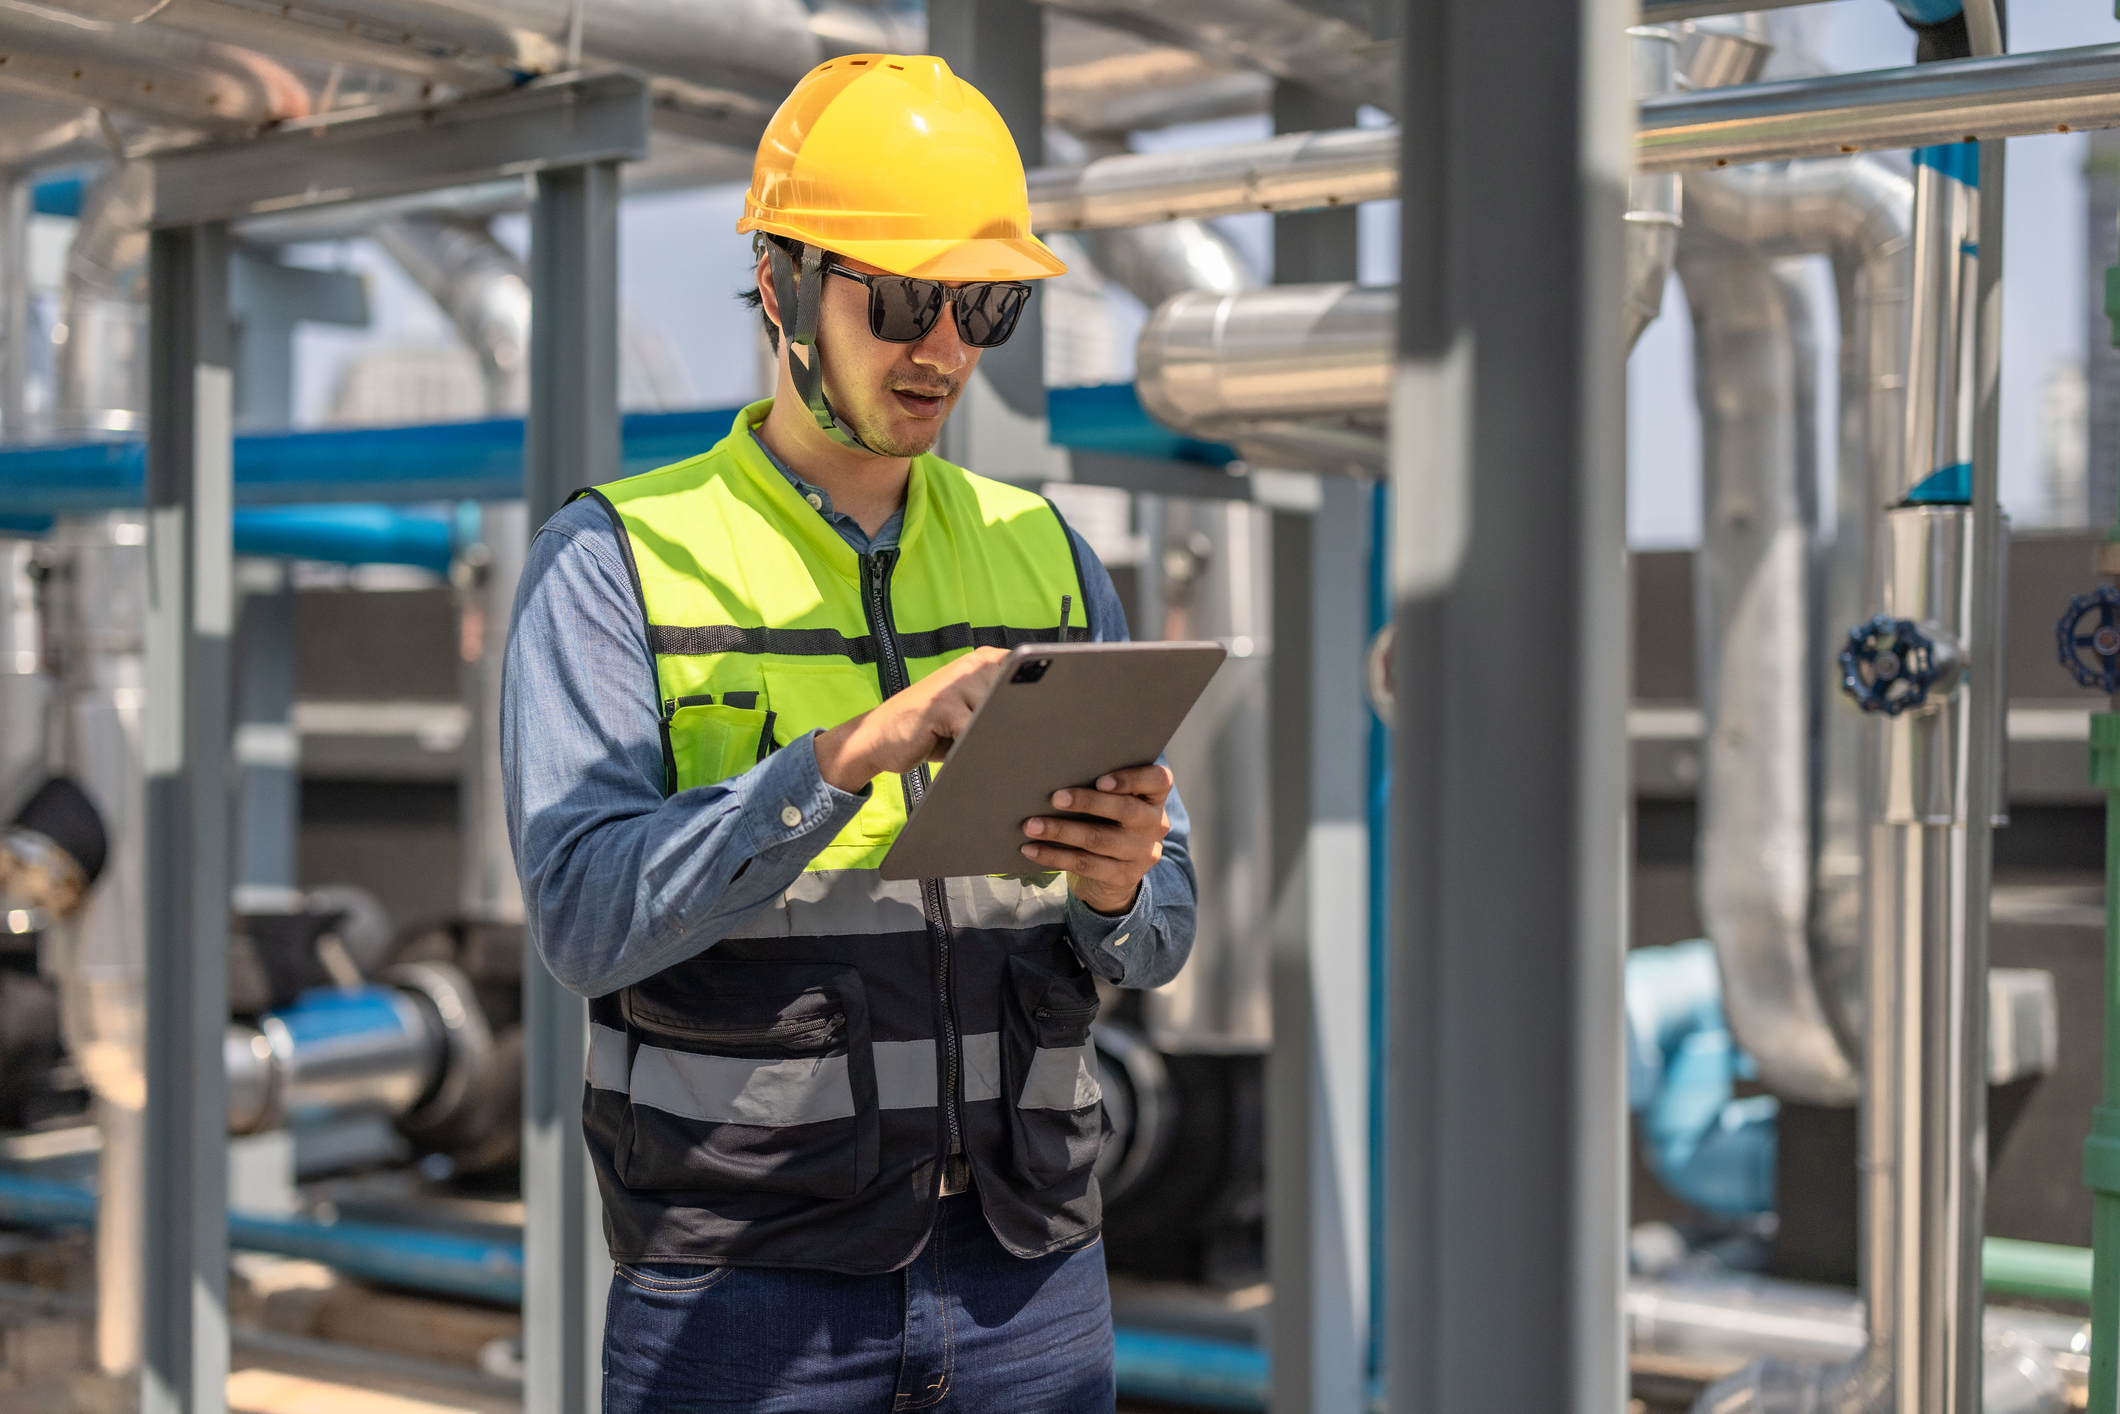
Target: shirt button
[
  {"x": 816, "y": 501},
  {"x": 790, "y": 816}
]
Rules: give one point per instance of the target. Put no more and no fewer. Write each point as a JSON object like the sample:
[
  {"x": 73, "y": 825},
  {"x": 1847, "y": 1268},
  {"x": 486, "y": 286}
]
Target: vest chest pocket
[
  {"x": 750, "y": 1076},
  {"x": 1057, "y": 1124},
  {"x": 710, "y": 741}
]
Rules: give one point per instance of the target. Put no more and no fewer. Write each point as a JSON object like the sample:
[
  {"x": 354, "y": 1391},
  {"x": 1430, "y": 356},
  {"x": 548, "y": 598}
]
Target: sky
[{"x": 681, "y": 263}]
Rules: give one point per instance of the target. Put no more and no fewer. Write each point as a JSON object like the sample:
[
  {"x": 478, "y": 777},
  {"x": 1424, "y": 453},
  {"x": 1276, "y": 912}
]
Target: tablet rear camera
[{"x": 1032, "y": 671}]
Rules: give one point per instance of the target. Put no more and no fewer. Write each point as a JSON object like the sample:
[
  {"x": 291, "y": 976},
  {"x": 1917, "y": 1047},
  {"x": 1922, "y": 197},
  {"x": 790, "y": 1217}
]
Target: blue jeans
[{"x": 966, "y": 1327}]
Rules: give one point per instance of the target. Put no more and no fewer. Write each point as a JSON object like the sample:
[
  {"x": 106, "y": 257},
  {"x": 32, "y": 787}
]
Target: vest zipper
[{"x": 934, "y": 907}]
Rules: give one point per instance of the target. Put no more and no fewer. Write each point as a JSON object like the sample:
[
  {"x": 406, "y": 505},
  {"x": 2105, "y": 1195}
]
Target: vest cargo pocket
[
  {"x": 1049, "y": 1072},
  {"x": 751, "y": 1076},
  {"x": 712, "y": 741}
]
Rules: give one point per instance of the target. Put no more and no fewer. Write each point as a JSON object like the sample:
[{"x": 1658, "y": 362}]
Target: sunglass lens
[
  {"x": 902, "y": 309},
  {"x": 987, "y": 314}
]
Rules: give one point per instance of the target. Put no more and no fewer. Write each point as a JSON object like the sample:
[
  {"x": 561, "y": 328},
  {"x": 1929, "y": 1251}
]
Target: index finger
[{"x": 1152, "y": 782}]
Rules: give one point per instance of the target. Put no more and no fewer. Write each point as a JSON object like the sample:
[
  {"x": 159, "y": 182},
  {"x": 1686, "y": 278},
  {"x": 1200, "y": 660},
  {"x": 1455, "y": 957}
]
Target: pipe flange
[{"x": 466, "y": 1039}]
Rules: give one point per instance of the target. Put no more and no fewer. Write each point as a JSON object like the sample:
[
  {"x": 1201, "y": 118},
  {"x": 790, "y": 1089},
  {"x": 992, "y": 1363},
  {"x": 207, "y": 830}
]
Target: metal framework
[{"x": 573, "y": 131}]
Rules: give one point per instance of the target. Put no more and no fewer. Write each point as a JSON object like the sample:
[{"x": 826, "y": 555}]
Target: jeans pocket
[
  {"x": 750, "y": 1076},
  {"x": 672, "y": 1278},
  {"x": 1057, "y": 1124}
]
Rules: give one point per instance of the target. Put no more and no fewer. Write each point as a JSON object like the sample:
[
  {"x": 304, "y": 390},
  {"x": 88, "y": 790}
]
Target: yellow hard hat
[{"x": 894, "y": 160}]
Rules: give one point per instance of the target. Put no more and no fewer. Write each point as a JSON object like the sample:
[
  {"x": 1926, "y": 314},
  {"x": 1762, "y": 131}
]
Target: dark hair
[{"x": 753, "y": 298}]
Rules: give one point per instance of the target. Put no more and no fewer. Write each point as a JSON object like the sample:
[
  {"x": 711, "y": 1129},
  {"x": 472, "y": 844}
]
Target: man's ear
[{"x": 768, "y": 295}]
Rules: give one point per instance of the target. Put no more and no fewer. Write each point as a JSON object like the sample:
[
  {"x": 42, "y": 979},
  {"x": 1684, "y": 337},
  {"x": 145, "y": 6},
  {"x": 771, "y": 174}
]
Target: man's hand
[
  {"x": 1105, "y": 862},
  {"x": 917, "y": 725}
]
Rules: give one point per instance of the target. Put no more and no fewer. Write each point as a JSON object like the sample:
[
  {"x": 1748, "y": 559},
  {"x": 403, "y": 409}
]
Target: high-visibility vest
[{"x": 787, "y": 1096}]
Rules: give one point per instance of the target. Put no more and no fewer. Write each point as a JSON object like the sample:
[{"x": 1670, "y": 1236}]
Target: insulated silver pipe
[
  {"x": 103, "y": 356},
  {"x": 1754, "y": 646},
  {"x": 1295, "y": 172},
  {"x": 1277, "y": 37},
  {"x": 1795, "y": 990},
  {"x": 479, "y": 283},
  {"x": 1653, "y": 202},
  {"x": 176, "y": 79},
  {"x": 1961, "y": 100},
  {"x": 1859, "y": 212},
  {"x": 2036, "y": 1362},
  {"x": 1260, "y": 364}
]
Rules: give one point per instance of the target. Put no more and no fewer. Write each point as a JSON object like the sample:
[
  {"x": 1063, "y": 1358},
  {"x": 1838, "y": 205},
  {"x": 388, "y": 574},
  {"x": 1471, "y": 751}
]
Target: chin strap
[{"x": 801, "y": 297}]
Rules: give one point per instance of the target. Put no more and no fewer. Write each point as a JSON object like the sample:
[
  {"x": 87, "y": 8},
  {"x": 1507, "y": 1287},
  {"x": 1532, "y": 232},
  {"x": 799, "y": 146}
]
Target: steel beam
[
  {"x": 191, "y": 607},
  {"x": 571, "y": 439},
  {"x": 567, "y": 120},
  {"x": 1506, "y": 1105}
]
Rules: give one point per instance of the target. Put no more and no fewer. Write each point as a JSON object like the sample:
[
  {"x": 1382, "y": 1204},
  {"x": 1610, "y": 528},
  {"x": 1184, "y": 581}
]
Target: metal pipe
[
  {"x": 479, "y": 284},
  {"x": 1858, "y": 212},
  {"x": 176, "y": 79},
  {"x": 1295, "y": 172},
  {"x": 1257, "y": 365},
  {"x": 1955, "y": 101},
  {"x": 102, "y": 360},
  {"x": 1709, "y": 1328},
  {"x": 1277, "y": 37},
  {"x": 1653, "y": 202},
  {"x": 1755, "y": 616}
]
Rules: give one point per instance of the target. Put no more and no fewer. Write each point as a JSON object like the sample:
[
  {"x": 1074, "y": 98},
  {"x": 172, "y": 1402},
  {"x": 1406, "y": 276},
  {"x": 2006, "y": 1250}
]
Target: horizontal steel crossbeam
[{"x": 567, "y": 120}]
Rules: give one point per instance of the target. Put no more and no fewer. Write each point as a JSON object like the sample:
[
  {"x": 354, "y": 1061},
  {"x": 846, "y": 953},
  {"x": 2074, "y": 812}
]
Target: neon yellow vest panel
[{"x": 766, "y": 625}]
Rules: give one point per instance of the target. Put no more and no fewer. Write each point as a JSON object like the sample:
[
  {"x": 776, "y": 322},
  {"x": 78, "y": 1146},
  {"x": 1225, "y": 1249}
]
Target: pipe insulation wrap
[{"x": 1206, "y": 361}]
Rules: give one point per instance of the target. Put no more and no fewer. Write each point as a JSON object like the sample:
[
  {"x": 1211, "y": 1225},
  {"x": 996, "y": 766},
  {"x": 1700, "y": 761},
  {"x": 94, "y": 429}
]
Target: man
[{"x": 844, "y": 1129}]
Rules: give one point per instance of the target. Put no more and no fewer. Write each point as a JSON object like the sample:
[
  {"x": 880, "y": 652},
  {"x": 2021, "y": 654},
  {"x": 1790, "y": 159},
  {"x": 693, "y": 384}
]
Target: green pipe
[
  {"x": 2037, "y": 1269},
  {"x": 2101, "y": 1149}
]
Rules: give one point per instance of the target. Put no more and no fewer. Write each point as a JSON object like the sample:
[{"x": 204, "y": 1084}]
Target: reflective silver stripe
[
  {"x": 1061, "y": 1080},
  {"x": 837, "y": 903},
  {"x": 990, "y": 902},
  {"x": 731, "y": 1090},
  {"x": 607, "y": 1059},
  {"x": 905, "y": 1074},
  {"x": 982, "y": 1066}
]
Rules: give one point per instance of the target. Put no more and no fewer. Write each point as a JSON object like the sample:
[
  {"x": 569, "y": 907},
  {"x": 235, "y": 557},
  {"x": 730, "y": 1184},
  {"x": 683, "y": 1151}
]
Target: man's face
[{"x": 895, "y": 396}]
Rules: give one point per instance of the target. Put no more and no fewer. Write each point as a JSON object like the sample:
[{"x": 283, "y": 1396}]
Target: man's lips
[{"x": 919, "y": 404}]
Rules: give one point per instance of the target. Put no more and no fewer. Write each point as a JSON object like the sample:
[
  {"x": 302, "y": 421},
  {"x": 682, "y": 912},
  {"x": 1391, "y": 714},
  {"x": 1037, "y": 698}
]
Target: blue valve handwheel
[
  {"x": 1888, "y": 666},
  {"x": 2089, "y": 639}
]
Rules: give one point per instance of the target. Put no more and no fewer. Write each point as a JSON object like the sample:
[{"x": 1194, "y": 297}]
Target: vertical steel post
[
  {"x": 15, "y": 196},
  {"x": 190, "y": 611},
  {"x": 571, "y": 439},
  {"x": 1509, "y": 830},
  {"x": 268, "y": 752},
  {"x": 1317, "y": 1072}
]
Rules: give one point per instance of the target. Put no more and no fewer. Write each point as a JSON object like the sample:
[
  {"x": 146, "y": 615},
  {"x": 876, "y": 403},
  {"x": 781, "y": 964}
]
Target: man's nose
[{"x": 940, "y": 348}]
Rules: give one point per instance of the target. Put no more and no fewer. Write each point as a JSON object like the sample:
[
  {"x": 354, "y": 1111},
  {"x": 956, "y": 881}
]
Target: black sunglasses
[{"x": 903, "y": 309}]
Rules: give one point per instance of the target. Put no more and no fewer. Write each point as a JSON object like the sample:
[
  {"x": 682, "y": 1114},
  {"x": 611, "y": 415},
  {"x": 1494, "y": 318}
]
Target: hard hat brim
[{"x": 985, "y": 258}]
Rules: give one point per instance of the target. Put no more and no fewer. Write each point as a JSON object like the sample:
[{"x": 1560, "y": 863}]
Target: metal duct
[
  {"x": 848, "y": 27},
  {"x": 479, "y": 283},
  {"x": 1158, "y": 261},
  {"x": 1102, "y": 82},
  {"x": 36, "y": 133},
  {"x": 1262, "y": 365},
  {"x": 1277, "y": 37},
  {"x": 179, "y": 80},
  {"x": 1711, "y": 1327},
  {"x": 1755, "y": 647},
  {"x": 1721, "y": 51},
  {"x": 1858, "y": 211},
  {"x": 103, "y": 353}
]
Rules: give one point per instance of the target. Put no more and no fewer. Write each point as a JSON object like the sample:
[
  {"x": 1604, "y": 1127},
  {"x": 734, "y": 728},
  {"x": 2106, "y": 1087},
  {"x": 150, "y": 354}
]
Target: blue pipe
[
  {"x": 1214, "y": 1374},
  {"x": 350, "y": 535},
  {"x": 427, "y": 1261},
  {"x": 60, "y": 194},
  {"x": 479, "y": 461}
]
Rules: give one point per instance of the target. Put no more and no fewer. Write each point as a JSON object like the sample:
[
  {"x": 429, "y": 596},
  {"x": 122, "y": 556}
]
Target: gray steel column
[
  {"x": 571, "y": 439},
  {"x": 1506, "y": 1104},
  {"x": 1317, "y": 1073},
  {"x": 1317, "y": 1102},
  {"x": 190, "y": 608},
  {"x": 268, "y": 752},
  {"x": 15, "y": 194}
]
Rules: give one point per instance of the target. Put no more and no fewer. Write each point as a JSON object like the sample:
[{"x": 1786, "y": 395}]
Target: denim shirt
[{"x": 620, "y": 882}]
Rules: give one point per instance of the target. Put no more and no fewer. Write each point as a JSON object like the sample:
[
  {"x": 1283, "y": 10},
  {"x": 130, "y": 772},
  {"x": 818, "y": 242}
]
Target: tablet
[{"x": 1059, "y": 715}]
